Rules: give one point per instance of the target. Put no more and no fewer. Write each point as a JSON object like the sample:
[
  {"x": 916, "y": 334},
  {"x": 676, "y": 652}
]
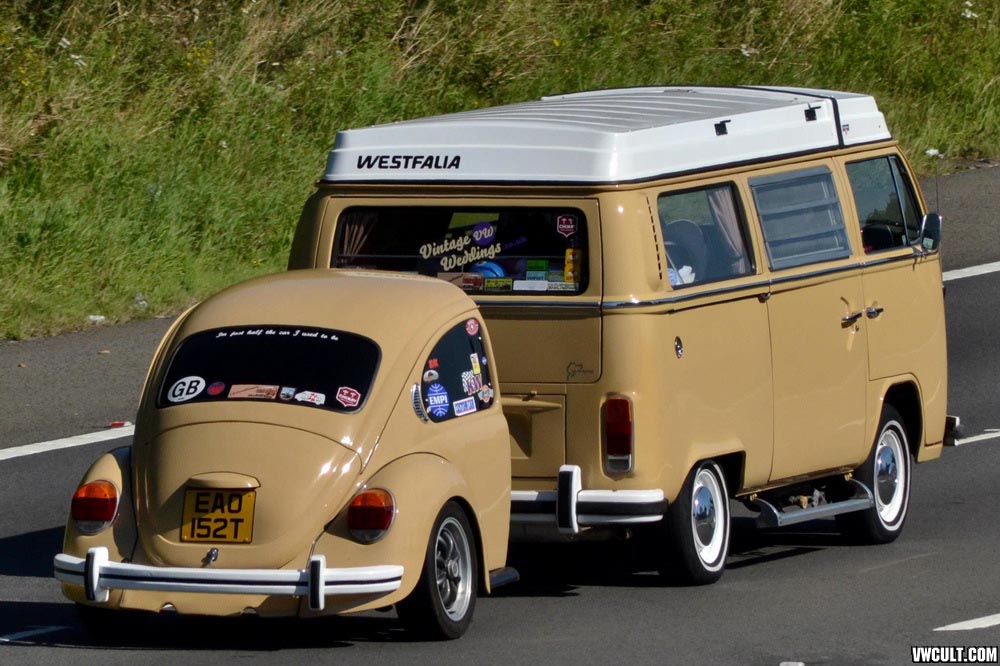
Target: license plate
[{"x": 218, "y": 516}]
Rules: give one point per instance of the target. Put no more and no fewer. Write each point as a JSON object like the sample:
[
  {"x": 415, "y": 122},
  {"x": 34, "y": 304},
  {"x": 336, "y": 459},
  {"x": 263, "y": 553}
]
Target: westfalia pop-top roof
[{"x": 607, "y": 136}]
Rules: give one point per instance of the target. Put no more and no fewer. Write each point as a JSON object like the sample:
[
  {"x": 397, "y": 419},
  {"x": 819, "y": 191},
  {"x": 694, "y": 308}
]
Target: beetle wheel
[{"x": 441, "y": 605}]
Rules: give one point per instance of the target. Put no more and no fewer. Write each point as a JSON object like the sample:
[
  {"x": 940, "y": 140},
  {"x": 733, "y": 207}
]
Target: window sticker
[
  {"x": 431, "y": 376},
  {"x": 253, "y": 391},
  {"x": 437, "y": 400},
  {"x": 471, "y": 382},
  {"x": 463, "y": 407},
  {"x": 472, "y": 327},
  {"x": 486, "y": 394},
  {"x": 312, "y": 398},
  {"x": 475, "y": 363},
  {"x": 566, "y": 225},
  {"x": 432, "y": 364},
  {"x": 186, "y": 388},
  {"x": 215, "y": 388},
  {"x": 287, "y": 392},
  {"x": 499, "y": 284},
  {"x": 348, "y": 397}
]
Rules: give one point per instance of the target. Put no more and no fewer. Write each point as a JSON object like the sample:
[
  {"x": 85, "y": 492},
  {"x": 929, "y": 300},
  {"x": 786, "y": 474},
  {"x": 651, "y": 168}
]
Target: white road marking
[
  {"x": 896, "y": 562},
  {"x": 68, "y": 442},
  {"x": 21, "y": 635},
  {"x": 989, "y": 434},
  {"x": 978, "y": 623},
  {"x": 971, "y": 271}
]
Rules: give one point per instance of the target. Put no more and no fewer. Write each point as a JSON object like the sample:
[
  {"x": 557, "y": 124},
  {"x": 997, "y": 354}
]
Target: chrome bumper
[
  {"x": 570, "y": 507},
  {"x": 98, "y": 576}
]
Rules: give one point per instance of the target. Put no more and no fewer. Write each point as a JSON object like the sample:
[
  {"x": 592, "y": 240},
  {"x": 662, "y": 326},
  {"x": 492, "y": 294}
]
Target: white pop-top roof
[{"x": 607, "y": 136}]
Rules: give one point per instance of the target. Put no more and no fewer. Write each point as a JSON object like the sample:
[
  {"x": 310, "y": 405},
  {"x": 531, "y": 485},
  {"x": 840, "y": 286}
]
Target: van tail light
[
  {"x": 94, "y": 506},
  {"x": 618, "y": 435},
  {"x": 370, "y": 515}
]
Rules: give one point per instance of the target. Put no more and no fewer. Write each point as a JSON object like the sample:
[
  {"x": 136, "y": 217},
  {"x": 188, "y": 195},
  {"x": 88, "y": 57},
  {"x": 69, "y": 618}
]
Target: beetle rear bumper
[
  {"x": 570, "y": 507},
  {"x": 98, "y": 576}
]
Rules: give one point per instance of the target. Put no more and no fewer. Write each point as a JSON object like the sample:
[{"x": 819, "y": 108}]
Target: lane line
[
  {"x": 989, "y": 434},
  {"x": 978, "y": 623},
  {"x": 67, "y": 442},
  {"x": 971, "y": 271},
  {"x": 896, "y": 562},
  {"x": 20, "y": 636}
]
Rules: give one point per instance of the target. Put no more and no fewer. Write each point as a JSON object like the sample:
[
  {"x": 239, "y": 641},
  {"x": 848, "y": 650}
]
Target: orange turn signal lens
[
  {"x": 370, "y": 515},
  {"x": 94, "y": 506}
]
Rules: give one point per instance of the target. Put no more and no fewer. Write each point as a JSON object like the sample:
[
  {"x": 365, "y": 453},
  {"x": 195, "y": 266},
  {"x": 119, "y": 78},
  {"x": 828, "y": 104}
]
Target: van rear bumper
[{"x": 570, "y": 507}]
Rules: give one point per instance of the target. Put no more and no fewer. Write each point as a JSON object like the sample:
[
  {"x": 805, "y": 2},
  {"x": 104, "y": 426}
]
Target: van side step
[{"x": 772, "y": 516}]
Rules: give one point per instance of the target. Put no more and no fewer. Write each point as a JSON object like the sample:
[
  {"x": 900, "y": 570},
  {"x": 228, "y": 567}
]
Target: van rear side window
[
  {"x": 495, "y": 251},
  {"x": 704, "y": 235}
]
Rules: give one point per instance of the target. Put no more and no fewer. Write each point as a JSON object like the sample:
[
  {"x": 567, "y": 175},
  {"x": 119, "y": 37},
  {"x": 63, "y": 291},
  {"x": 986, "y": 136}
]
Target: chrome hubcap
[
  {"x": 886, "y": 474},
  {"x": 890, "y": 476},
  {"x": 709, "y": 518},
  {"x": 453, "y": 568},
  {"x": 703, "y": 513}
]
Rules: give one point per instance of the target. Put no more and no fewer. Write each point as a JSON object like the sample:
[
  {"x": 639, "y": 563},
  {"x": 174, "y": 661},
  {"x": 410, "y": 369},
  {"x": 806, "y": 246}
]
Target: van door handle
[
  {"x": 874, "y": 311},
  {"x": 851, "y": 318}
]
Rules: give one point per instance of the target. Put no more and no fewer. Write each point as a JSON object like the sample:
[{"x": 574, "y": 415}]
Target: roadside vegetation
[{"x": 154, "y": 151}]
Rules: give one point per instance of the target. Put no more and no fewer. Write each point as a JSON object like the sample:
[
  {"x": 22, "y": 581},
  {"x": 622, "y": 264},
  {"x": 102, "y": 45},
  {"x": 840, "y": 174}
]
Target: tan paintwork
[
  {"x": 324, "y": 457},
  {"x": 771, "y": 379}
]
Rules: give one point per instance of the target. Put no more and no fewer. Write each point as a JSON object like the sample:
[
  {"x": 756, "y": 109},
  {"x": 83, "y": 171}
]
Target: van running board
[{"x": 771, "y": 516}]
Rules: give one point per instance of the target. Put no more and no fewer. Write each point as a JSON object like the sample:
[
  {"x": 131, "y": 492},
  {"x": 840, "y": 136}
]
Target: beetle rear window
[
  {"x": 495, "y": 251},
  {"x": 313, "y": 367}
]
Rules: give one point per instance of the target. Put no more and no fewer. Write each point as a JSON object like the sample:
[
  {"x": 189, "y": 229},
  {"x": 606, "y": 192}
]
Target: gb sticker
[{"x": 185, "y": 388}]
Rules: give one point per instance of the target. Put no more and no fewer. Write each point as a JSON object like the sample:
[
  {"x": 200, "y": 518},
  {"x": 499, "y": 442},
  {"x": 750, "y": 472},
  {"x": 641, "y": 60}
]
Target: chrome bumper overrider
[
  {"x": 570, "y": 507},
  {"x": 98, "y": 576}
]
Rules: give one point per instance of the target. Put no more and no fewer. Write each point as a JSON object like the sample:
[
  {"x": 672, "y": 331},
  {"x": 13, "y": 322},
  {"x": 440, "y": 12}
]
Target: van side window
[
  {"x": 456, "y": 379},
  {"x": 801, "y": 218},
  {"x": 704, "y": 235},
  {"x": 887, "y": 208}
]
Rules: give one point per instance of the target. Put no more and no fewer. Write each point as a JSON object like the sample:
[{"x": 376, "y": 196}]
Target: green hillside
[{"x": 153, "y": 152}]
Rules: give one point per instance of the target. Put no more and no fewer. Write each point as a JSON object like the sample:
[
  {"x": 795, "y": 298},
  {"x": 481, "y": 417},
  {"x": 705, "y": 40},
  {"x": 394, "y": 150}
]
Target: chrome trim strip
[
  {"x": 539, "y": 304},
  {"x": 612, "y": 305}
]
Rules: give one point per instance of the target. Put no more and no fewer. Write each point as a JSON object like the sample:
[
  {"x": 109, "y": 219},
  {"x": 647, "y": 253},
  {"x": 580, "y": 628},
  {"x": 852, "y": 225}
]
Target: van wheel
[
  {"x": 697, "y": 525},
  {"x": 440, "y": 606},
  {"x": 886, "y": 473}
]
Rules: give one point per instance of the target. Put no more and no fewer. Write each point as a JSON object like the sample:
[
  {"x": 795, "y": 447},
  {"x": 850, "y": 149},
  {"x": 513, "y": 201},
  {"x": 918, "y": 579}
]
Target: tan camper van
[{"x": 695, "y": 295}]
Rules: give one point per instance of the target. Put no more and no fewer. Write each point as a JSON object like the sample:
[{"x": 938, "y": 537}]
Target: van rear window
[
  {"x": 313, "y": 367},
  {"x": 495, "y": 251}
]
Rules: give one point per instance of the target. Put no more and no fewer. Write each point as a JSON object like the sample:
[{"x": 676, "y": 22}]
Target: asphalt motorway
[{"x": 798, "y": 595}]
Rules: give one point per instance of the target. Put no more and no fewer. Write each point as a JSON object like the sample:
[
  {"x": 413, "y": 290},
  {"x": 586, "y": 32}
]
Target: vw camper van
[{"x": 695, "y": 294}]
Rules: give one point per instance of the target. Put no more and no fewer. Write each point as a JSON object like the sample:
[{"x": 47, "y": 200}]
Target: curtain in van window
[
  {"x": 724, "y": 210},
  {"x": 357, "y": 227}
]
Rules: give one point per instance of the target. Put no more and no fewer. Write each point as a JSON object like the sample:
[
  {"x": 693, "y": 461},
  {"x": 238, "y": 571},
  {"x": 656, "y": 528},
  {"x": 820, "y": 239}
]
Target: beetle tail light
[
  {"x": 370, "y": 515},
  {"x": 618, "y": 435},
  {"x": 94, "y": 506}
]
